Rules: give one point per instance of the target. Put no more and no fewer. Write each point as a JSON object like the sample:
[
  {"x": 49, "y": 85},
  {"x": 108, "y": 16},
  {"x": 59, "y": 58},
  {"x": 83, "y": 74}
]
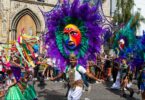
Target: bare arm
[
  {"x": 13, "y": 83},
  {"x": 58, "y": 76},
  {"x": 91, "y": 76},
  {"x": 15, "y": 63}
]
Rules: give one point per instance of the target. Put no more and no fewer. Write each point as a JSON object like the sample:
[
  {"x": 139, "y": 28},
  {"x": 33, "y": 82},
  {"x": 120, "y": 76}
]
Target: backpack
[{"x": 77, "y": 69}]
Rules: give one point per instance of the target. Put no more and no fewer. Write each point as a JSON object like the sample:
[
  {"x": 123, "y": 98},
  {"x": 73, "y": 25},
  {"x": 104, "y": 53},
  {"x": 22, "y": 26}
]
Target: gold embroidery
[{"x": 72, "y": 81}]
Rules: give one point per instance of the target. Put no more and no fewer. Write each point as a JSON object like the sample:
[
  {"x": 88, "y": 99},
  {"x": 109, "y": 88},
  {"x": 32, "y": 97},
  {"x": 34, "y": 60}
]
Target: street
[{"x": 55, "y": 91}]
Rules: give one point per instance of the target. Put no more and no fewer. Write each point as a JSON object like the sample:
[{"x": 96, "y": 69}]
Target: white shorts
[{"x": 75, "y": 94}]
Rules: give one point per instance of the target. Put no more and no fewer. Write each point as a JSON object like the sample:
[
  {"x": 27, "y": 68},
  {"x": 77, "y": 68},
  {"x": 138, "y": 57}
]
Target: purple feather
[
  {"x": 17, "y": 72},
  {"x": 89, "y": 15}
]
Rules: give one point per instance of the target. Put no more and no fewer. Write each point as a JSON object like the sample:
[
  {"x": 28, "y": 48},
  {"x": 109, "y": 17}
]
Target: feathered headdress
[
  {"x": 124, "y": 40},
  {"x": 73, "y": 28},
  {"x": 139, "y": 51}
]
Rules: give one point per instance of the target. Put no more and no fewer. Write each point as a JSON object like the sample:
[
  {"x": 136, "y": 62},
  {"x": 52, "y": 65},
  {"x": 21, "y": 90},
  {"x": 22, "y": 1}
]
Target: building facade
[{"x": 18, "y": 15}]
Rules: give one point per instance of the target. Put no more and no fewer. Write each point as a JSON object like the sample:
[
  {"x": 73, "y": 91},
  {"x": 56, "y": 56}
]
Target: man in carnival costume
[
  {"x": 74, "y": 34},
  {"x": 74, "y": 73}
]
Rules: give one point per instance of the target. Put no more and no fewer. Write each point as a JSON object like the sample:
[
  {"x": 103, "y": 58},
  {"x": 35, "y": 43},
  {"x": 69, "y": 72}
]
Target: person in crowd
[
  {"x": 56, "y": 69},
  {"x": 29, "y": 93},
  {"x": 73, "y": 74},
  {"x": 37, "y": 67},
  {"x": 125, "y": 79},
  {"x": 116, "y": 73},
  {"x": 91, "y": 69},
  {"x": 2, "y": 79},
  {"x": 98, "y": 67},
  {"x": 45, "y": 70},
  {"x": 115, "y": 69},
  {"x": 102, "y": 71},
  {"x": 50, "y": 67},
  {"x": 108, "y": 67},
  {"x": 141, "y": 82},
  {"x": 13, "y": 90}
]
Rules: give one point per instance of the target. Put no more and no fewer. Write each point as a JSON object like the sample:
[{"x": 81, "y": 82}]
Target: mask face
[
  {"x": 72, "y": 36},
  {"x": 121, "y": 44}
]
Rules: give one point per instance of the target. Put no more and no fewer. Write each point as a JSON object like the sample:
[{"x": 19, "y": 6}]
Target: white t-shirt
[
  {"x": 81, "y": 69},
  {"x": 49, "y": 61},
  {"x": 9, "y": 81},
  {"x": 1, "y": 67},
  {"x": 3, "y": 59}
]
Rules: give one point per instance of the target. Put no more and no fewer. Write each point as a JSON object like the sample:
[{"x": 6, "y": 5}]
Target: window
[{"x": 40, "y": 0}]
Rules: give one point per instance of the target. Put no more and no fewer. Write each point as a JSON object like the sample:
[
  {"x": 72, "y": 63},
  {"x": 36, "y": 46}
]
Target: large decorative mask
[
  {"x": 74, "y": 27},
  {"x": 72, "y": 36},
  {"x": 121, "y": 44}
]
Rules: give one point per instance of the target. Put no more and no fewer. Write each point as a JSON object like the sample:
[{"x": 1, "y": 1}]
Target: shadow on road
[
  {"x": 51, "y": 95},
  {"x": 117, "y": 92}
]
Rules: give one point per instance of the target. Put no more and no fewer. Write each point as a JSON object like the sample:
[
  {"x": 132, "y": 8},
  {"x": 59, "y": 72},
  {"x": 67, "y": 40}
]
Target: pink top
[{"x": 7, "y": 64}]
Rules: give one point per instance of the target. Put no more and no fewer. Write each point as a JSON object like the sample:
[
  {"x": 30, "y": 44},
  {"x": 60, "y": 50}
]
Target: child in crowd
[{"x": 13, "y": 90}]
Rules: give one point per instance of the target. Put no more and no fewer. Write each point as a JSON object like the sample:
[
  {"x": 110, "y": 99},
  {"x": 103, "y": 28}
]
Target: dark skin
[{"x": 73, "y": 63}]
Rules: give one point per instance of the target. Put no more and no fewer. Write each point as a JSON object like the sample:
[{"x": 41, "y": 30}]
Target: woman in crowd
[
  {"x": 29, "y": 93},
  {"x": 141, "y": 82},
  {"x": 13, "y": 90},
  {"x": 91, "y": 69},
  {"x": 125, "y": 79},
  {"x": 107, "y": 67}
]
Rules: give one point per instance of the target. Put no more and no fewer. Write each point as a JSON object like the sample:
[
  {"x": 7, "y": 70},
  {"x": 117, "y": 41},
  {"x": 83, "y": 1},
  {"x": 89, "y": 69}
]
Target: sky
[{"x": 140, "y": 4}]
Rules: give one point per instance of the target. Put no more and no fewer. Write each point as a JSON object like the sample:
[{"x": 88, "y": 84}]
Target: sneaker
[
  {"x": 55, "y": 81},
  {"x": 47, "y": 78},
  {"x": 35, "y": 79},
  {"x": 87, "y": 99},
  {"x": 125, "y": 89},
  {"x": 97, "y": 82},
  {"x": 61, "y": 81}
]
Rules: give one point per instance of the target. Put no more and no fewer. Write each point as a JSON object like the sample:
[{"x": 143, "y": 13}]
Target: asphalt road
[{"x": 101, "y": 91}]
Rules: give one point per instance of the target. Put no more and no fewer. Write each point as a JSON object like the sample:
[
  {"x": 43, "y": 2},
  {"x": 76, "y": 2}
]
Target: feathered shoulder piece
[{"x": 73, "y": 28}]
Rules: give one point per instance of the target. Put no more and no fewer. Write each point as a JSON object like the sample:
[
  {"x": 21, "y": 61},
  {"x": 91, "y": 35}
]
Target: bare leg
[
  {"x": 51, "y": 73},
  {"x": 143, "y": 95},
  {"x": 124, "y": 85},
  {"x": 44, "y": 71}
]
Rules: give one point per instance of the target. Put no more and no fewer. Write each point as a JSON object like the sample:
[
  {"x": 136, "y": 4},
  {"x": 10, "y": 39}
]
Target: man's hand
[
  {"x": 99, "y": 80},
  {"x": 58, "y": 76},
  {"x": 52, "y": 79},
  {"x": 91, "y": 76}
]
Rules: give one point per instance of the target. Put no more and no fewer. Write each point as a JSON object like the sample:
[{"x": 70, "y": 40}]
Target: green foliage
[
  {"x": 103, "y": 1},
  {"x": 123, "y": 12},
  {"x": 137, "y": 19}
]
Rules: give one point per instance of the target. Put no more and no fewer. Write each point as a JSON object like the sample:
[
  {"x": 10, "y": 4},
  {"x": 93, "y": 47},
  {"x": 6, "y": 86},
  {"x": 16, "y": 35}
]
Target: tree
[
  {"x": 123, "y": 11},
  {"x": 123, "y": 14},
  {"x": 103, "y": 1},
  {"x": 136, "y": 22}
]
